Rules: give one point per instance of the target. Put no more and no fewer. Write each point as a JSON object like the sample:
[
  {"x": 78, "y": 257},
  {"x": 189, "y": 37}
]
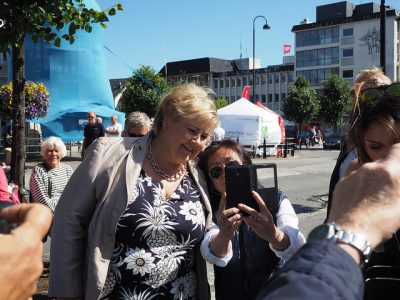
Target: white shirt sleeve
[
  {"x": 288, "y": 222},
  {"x": 206, "y": 250}
]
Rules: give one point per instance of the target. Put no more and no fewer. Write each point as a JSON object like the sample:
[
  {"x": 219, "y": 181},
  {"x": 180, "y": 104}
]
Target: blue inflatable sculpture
[{"x": 77, "y": 79}]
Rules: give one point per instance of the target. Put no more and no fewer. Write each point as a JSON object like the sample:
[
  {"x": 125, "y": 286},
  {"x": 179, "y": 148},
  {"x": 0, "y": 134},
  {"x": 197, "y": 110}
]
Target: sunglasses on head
[
  {"x": 371, "y": 94},
  {"x": 216, "y": 171}
]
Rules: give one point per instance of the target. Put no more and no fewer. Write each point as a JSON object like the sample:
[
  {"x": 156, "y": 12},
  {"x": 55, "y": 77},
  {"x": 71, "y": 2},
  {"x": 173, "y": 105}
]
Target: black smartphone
[{"x": 240, "y": 181}]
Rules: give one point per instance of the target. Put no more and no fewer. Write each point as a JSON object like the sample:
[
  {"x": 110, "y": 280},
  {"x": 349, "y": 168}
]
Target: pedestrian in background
[
  {"x": 91, "y": 132},
  {"x": 115, "y": 129}
]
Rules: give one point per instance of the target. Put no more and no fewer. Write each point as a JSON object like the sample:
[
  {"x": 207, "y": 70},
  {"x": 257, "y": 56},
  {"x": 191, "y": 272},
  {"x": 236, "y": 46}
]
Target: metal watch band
[{"x": 356, "y": 240}]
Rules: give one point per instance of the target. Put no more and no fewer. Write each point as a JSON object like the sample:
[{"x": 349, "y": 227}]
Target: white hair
[{"x": 53, "y": 142}]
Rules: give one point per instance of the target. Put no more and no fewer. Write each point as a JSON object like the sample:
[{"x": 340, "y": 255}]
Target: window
[
  {"x": 348, "y": 52},
  {"x": 276, "y": 78},
  {"x": 263, "y": 98},
  {"x": 227, "y": 82},
  {"x": 347, "y": 32},
  {"x": 244, "y": 81},
  {"x": 239, "y": 81},
  {"x": 317, "y": 77},
  {"x": 257, "y": 80},
  {"x": 215, "y": 83},
  {"x": 347, "y": 74},
  {"x": 317, "y": 57},
  {"x": 283, "y": 77},
  {"x": 221, "y": 83},
  {"x": 320, "y": 36},
  {"x": 263, "y": 79},
  {"x": 269, "y": 99},
  {"x": 270, "y": 79},
  {"x": 290, "y": 77},
  {"x": 233, "y": 82},
  {"x": 276, "y": 97}
]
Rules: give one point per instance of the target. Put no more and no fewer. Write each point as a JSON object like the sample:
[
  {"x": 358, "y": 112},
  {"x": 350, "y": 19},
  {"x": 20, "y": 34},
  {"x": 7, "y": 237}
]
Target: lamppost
[{"x": 265, "y": 27}]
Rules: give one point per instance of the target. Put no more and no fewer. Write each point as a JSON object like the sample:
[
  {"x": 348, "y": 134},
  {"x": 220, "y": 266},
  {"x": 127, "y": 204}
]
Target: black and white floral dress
[{"x": 153, "y": 255}]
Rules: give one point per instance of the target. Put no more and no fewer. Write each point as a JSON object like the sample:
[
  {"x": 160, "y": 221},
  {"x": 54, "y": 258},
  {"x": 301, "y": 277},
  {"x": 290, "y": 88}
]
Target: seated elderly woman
[{"x": 50, "y": 177}]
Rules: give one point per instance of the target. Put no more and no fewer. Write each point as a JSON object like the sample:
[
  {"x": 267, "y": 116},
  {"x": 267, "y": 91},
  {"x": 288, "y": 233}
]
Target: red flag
[
  {"x": 286, "y": 48},
  {"x": 246, "y": 92}
]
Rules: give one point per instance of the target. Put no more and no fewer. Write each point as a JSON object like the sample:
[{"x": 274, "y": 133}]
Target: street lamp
[{"x": 265, "y": 27}]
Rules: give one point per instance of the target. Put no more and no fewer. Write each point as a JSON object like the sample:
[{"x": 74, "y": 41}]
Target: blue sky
[{"x": 153, "y": 32}]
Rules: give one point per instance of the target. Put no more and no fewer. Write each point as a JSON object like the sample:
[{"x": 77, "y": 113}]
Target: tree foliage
[
  {"x": 220, "y": 103},
  {"x": 335, "y": 100},
  {"x": 139, "y": 95},
  {"x": 39, "y": 20},
  {"x": 46, "y": 18},
  {"x": 301, "y": 104}
]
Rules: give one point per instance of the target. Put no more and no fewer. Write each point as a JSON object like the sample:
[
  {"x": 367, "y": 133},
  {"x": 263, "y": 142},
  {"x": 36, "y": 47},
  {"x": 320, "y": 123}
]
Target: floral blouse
[{"x": 153, "y": 256}]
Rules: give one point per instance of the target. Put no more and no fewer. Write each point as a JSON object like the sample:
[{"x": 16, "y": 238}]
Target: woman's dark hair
[
  {"x": 384, "y": 110},
  {"x": 204, "y": 157}
]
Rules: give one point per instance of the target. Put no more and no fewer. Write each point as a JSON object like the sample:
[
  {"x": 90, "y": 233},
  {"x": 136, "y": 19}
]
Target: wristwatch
[{"x": 331, "y": 231}]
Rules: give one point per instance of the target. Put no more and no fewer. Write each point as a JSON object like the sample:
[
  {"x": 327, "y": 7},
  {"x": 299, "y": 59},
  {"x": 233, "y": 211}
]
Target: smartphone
[{"x": 240, "y": 181}]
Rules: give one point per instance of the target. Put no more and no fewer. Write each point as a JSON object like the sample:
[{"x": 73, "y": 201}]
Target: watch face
[{"x": 321, "y": 232}]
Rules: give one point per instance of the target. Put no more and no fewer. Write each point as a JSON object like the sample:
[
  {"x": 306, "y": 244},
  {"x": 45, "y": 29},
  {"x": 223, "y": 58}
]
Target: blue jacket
[{"x": 319, "y": 270}]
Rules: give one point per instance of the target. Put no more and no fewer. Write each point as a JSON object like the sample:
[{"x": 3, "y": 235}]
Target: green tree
[
  {"x": 138, "y": 95},
  {"x": 220, "y": 103},
  {"x": 301, "y": 104},
  {"x": 39, "y": 20},
  {"x": 335, "y": 100}
]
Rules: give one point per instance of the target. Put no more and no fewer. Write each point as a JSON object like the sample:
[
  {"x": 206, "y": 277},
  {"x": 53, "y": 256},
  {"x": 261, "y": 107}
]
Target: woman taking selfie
[
  {"x": 267, "y": 239},
  {"x": 130, "y": 222}
]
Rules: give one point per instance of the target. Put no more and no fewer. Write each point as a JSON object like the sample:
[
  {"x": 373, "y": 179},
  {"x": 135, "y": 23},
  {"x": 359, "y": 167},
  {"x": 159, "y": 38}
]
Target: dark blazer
[{"x": 319, "y": 270}]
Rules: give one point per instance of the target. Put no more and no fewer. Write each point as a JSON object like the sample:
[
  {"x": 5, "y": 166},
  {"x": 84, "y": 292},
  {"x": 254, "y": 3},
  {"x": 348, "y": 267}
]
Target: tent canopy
[{"x": 250, "y": 123}]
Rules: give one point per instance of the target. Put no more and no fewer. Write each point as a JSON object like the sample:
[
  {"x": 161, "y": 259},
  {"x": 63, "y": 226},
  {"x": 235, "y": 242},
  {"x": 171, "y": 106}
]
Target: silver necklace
[{"x": 157, "y": 169}]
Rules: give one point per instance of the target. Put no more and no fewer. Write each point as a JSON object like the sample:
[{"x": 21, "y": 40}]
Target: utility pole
[{"x": 383, "y": 35}]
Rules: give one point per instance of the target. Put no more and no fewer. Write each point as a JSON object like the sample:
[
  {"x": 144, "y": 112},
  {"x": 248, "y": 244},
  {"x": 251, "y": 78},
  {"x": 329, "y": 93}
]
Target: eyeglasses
[
  {"x": 216, "y": 171},
  {"x": 371, "y": 94}
]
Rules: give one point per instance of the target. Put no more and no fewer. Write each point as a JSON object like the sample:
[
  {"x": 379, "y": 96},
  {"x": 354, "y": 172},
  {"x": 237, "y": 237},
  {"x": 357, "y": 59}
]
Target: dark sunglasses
[
  {"x": 216, "y": 171},
  {"x": 371, "y": 94}
]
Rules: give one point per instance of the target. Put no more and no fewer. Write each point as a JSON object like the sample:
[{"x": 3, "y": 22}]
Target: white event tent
[{"x": 250, "y": 124}]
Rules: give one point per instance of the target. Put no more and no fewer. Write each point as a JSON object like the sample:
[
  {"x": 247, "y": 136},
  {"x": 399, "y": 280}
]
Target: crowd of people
[{"x": 147, "y": 208}]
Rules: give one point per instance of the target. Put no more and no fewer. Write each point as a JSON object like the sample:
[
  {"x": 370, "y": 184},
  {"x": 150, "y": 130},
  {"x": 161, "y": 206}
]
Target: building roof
[
  {"x": 198, "y": 66},
  {"x": 344, "y": 12},
  {"x": 117, "y": 85}
]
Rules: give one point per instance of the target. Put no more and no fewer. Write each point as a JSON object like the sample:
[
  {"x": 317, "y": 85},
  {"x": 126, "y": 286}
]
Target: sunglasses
[
  {"x": 216, "y": 171},
  {"x": 371, "y": 94}
]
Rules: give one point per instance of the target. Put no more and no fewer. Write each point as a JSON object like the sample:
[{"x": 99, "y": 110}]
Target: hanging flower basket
[{"x": 36, "y": 100}]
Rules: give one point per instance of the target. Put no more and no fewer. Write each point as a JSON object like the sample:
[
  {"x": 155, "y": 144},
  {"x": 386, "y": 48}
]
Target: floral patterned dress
[{"x": 153, "y": 255}]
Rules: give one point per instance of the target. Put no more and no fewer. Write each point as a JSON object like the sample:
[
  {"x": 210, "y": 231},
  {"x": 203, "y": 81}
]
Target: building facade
[
  {"x": 344, "y": 40},
  {"x": 227, "y": 78}
]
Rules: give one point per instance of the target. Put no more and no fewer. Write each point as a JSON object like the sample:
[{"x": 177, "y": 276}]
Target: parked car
[{"x": 332, "y": 140}]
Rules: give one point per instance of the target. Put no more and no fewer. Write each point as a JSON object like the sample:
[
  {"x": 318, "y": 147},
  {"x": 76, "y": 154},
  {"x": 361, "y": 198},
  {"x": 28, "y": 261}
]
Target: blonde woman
[{"x": 132, "y": 218}]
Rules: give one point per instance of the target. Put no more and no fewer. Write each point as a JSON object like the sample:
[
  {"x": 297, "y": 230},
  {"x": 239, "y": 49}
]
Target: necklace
[{"x": 178, "y": 175}]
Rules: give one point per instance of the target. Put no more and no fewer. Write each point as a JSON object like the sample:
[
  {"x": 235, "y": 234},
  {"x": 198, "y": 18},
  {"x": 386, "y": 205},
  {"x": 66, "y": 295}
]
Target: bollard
[{"x": 264, "y": 149}]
